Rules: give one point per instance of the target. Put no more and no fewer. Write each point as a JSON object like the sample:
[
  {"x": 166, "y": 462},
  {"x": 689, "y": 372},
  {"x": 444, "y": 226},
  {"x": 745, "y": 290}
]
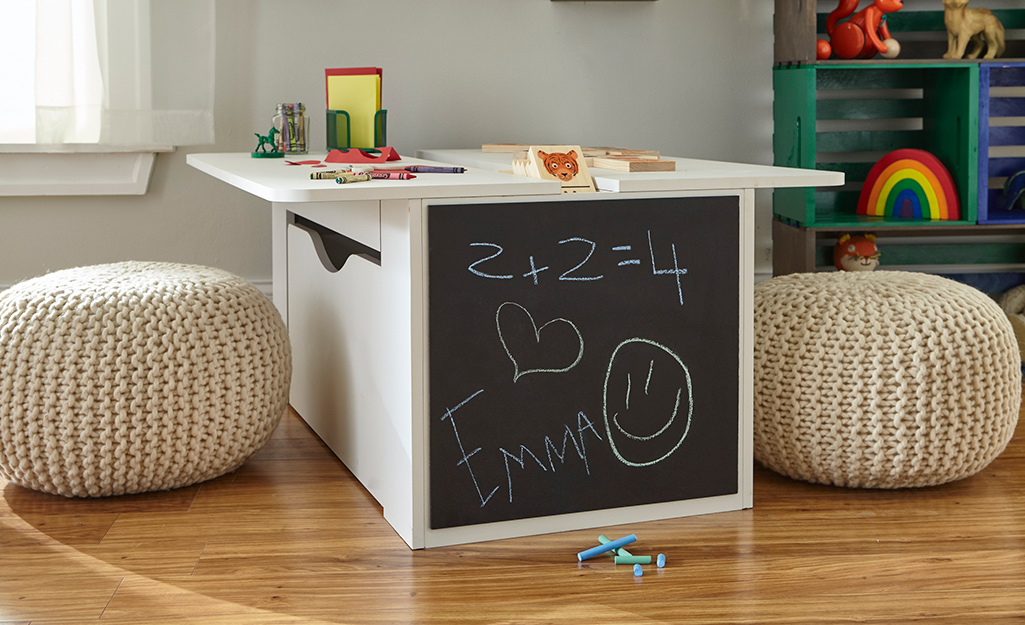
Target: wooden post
[
  {"x": 793, "y": 249},
  {"x": 795, "y": 31}
]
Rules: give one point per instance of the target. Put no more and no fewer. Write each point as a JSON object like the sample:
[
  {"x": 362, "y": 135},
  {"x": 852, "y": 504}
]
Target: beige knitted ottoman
[
  {"x": 881, "y": 379},
  {"x": 134, "y": 377}
]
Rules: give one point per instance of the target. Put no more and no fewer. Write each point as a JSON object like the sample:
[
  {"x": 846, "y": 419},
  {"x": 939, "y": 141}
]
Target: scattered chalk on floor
[
  {"x": 661, "y": 560},
  {"x": 638, "y": 571}
]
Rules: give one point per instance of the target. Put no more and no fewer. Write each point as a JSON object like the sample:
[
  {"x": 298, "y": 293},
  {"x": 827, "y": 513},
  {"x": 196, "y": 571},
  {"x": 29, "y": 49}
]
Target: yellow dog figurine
[{"x": 977, "y": 25}]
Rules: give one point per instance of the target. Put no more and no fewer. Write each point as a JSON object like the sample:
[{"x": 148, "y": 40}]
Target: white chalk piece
[{"x": 638, "y": 571}]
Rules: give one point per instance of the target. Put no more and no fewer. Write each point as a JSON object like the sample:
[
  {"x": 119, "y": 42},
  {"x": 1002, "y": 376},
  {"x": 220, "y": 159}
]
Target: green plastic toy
[{"x": 268, "y": 140}]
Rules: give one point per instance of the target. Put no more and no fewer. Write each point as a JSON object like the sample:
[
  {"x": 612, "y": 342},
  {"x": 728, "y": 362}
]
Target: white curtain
[{"x": 119, "y": 73}]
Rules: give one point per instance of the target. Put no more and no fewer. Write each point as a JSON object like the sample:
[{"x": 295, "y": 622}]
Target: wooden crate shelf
[
  {"x": 844, "y": 118},
  {"x": 1001, "y": 138},
  {"x": 990, "y": 257},
  {"x": 844, "y": 115}
]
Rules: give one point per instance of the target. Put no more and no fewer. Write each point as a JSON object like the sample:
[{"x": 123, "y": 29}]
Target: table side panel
[{"x": 352, "y": 356}]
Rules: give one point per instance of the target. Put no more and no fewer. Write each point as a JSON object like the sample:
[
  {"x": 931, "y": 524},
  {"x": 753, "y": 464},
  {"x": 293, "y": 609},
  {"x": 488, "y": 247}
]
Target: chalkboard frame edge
[{"x": 429, "y": 537}]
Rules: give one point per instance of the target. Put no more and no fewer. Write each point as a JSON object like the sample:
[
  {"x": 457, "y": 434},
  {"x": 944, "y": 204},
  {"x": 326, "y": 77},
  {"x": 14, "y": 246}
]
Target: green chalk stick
[{"x": 633, "y": 559}]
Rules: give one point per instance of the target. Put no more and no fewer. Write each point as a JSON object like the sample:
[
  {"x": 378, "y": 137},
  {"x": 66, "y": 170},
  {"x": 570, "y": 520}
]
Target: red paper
[{"x": 356, "y": 155}]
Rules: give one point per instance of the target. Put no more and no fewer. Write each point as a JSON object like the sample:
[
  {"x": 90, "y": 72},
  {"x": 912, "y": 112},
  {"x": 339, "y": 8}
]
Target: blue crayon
[
  {"x": 609, "y": 546},
  {"x": 661, "y": 561},
  {"x": 638, "y": 571}
]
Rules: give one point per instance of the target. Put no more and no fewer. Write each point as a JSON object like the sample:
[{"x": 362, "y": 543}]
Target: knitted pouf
[
  {"x": 881, "y": 379},
  {"x": 134, "y": 377}
]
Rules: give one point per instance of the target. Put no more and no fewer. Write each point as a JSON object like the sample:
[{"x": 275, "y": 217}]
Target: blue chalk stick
[
  {"x": 619, "y": 552},
  {"x": 661, "y": 561},
  {"x": 609, "y": 546},
  {"x": 638, "y": 571}
]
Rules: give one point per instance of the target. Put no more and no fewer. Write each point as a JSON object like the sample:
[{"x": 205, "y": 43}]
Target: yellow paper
[{"x": 360, "y": 96}]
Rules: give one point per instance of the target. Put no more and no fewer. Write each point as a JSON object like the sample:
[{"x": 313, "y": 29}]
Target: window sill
[{"x": 28, "y": 170}]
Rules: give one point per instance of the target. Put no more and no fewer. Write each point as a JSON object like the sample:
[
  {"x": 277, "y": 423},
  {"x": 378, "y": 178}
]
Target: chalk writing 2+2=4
[{"x": 582, "y": 271}]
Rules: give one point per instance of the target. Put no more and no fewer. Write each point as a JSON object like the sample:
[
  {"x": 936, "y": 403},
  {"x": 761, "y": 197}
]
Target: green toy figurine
[{"x": 261, "y": 148}]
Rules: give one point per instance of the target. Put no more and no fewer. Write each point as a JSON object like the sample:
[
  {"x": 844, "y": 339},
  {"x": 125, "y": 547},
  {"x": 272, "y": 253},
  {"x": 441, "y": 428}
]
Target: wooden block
[
  {"x": 606, "y": 151},
  {"x": 564, "y": 163},
  {"x": 522, "y": 167},
  {"x": 642, "y": 154},
  {"x": 505, "y": 147},
  {"x": 592, "y": 152},
  {"x": 631, "y": 164}
]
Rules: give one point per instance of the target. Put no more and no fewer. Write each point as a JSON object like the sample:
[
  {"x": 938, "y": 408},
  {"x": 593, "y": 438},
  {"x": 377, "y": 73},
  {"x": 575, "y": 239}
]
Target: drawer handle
[{"x": 333, "y": 248}]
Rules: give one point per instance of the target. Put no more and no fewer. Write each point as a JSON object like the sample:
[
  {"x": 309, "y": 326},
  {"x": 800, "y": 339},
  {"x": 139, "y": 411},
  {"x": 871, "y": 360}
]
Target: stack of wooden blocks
[{"x": 616, "y": 159}]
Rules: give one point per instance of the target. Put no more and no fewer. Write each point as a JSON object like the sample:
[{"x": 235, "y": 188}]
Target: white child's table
[{"x": 492, "y": 358}]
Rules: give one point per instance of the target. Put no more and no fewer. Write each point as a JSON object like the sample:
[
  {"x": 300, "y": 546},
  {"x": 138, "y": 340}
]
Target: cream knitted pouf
[
  {"x": 134, "y": 377},
  {"x": 881, "y": 379}
]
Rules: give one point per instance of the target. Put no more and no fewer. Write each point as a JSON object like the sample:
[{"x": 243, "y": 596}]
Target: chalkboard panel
[{"x": 584, "y": 355}]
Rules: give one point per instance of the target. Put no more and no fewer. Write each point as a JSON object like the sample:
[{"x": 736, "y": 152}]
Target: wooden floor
[{"x": 291, "y": 537}]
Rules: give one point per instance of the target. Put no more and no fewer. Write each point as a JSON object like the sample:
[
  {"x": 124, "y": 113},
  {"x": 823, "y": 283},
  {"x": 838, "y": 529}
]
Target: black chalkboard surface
[{"x": 584, "y": 355}]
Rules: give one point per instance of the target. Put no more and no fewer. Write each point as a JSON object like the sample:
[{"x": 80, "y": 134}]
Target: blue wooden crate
[{"x": 993, "y": 171}]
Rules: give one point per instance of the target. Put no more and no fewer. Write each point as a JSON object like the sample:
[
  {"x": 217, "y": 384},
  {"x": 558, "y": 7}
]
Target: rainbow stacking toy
[{"x": 911, "y": 184}]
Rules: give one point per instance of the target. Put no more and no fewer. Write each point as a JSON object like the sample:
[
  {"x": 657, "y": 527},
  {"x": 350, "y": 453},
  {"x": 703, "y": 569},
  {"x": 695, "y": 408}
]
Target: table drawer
[{"x": 358, "y": 220}]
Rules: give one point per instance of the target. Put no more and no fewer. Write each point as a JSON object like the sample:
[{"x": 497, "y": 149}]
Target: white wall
[{"x": 687, "y": 77}]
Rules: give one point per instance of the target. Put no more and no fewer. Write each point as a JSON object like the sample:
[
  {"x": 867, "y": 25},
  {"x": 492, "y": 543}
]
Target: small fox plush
[{"x": 856, "y": 253}]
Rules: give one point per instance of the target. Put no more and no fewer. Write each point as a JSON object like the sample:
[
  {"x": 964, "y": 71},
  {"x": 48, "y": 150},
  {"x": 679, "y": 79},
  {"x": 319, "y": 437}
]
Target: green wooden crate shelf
[{"x": 845, "y": 118}]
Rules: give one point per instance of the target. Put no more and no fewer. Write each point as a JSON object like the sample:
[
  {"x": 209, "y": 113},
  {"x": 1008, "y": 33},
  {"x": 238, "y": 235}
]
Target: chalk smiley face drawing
[{"x": 648, "y": 402}]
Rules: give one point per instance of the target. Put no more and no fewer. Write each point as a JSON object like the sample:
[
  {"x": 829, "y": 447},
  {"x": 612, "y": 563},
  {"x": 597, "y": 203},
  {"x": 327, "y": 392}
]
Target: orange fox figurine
[
  {"x": 856, "y": 253},
  {"x": 862, "y": 36}
]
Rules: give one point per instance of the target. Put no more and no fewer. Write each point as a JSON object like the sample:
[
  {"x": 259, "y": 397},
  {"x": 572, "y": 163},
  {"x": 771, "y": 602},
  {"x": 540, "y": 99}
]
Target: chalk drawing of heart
[{"x": 518, "y": 323}]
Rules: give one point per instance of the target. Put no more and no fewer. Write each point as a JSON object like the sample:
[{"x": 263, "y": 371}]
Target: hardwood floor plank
[
  {"x": 23, "y": 501},
  {"x": 259, "y": 525},
  {"x": 239, "y": 618},
  {"x": 277, "y": 485},
  {"x": 170, "y": 597},
  {"x": 175, "y": 556},
  {"x": 60, "y": 562},
  {"x": 72, "y": 529},
  {"x": 51, "y": 597}
]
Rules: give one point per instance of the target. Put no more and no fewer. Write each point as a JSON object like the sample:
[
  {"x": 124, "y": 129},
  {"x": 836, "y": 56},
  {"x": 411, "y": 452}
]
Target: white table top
[
  {"x": 274, "y": 180},
  {"x": 690, "y": 174}
]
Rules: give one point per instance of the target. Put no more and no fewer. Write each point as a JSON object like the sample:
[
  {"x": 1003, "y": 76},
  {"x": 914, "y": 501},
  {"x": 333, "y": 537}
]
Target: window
[{"x": 105, "y": 76}]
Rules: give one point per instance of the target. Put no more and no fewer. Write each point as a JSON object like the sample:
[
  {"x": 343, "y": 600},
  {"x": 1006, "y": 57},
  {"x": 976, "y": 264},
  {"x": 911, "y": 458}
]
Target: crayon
[
  {"x": 423, "y": 169},
  {"x": 328, "y": 175},
  {"x": 392, "y": 175},
  {"x": 347, "y": 178}
]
